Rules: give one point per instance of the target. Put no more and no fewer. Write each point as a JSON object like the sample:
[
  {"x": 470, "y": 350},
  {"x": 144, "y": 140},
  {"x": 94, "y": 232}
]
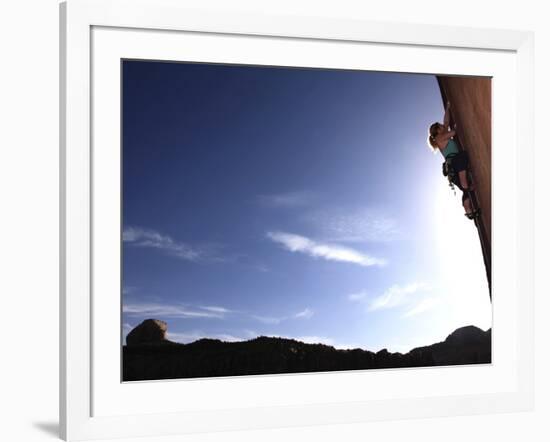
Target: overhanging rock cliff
[{"x": 470, "y": 99}]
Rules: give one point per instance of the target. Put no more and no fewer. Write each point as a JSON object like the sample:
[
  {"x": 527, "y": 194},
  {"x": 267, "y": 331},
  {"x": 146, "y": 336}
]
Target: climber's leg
[
  {"x": 460, "y": 165},
  {"x": 463, "y": 177},
  {"x": 467, "y": 203},
  {"x": 468, "y": 206}
]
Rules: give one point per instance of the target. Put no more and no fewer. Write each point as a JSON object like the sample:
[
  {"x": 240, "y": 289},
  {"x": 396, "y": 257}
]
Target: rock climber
[{"x": 456, "y": 160}]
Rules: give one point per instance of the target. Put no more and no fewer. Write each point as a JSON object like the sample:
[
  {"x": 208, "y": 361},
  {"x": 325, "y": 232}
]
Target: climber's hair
[{"x": 431, "y": 136}]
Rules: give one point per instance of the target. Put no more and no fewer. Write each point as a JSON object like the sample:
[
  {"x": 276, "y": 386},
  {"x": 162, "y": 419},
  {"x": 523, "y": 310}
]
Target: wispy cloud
[
  {"x": 423, "y": 306},
  {"x": 396, "y": 296},
  {"x": 127, "y": 290},
  {"x": 186, "y": 311},
  {"x": 140, "y": 237},
  {"x": 126, "y": 328},
  {"x": 354, "y": 225},
  {"x": 216, "y": 309},
  {"x": 329, "y": 252},
  {"x": 305, "y": 314},
  {"x": 287, "y": 200},
  {"x": 172, "y": 311},
  {"x": 148, "y": 238},
  {"x": 269, "y": 319},
  {"x": 195, "y": 335},
  {"x": 357, "y": 297}
]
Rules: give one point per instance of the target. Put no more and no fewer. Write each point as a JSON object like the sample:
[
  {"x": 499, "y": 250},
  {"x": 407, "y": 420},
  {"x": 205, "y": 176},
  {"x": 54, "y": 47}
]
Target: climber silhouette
[{"x": 456, "y": 161}]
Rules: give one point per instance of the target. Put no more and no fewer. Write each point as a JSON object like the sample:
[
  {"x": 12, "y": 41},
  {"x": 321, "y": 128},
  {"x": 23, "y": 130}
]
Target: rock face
[
  {"x": 150, "y": 331},
  {"x": 266, "y": 355},
  {"x": 470, "y": 99}
]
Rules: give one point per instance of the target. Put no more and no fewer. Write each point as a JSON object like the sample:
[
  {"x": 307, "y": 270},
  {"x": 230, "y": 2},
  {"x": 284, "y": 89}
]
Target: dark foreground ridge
[{"x": 149, "y": 355}]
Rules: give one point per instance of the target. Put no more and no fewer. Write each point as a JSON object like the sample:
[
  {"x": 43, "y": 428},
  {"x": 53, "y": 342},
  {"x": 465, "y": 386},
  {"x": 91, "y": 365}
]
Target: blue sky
[{"x": 292, "y": 202}]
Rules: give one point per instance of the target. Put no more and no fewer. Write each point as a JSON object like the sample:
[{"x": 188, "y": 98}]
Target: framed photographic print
[{"x": 290, "y": 221}]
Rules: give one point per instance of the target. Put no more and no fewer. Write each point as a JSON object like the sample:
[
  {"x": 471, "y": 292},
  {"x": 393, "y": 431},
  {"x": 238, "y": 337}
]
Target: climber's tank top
[{"x": 450, "y": 149}]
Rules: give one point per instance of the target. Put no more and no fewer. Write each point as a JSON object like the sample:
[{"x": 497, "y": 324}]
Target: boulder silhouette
[{"x": 150, "y": 331}]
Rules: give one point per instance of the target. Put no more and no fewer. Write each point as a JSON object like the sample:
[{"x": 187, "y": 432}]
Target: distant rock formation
[
  {"x": 466, "y": 345},
  {"x": 147, "y": 359},
  {"x": 468, "y": 335},
  {"x": 150, "y": 331}
]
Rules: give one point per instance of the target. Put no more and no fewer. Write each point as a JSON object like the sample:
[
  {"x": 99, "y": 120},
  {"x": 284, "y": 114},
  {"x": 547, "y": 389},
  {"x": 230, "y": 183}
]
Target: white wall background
[{"x": 29, "y": 219}]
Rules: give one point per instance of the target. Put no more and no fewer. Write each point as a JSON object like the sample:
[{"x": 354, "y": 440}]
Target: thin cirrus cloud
[
  {"x": 421, "y": 307},
  {"x": 357, "y": 297},
  {"x": 216, "y": 309},
  {"x": 126, "y": 328},
  {"x": 273, "y": 320},
  {"x": 173, "y": 311},
  {"x": 180, "y": 311},
  {"x": 354, "y": 225},
  {"x": 330, "y": 252},
  {"x": 396, "y": 296},
  {"x": 307, "y": 313},
  {"x": 148, "y": 238},
  {"x": 286, "y": 200},
  {"x": 195, "y": 335}
]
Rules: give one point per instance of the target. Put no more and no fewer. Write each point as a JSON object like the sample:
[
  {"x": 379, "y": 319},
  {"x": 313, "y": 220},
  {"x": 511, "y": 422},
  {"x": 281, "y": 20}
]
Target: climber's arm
[
  {"x": 442, "y": 138},
  {"x": 447, "y": 117}
]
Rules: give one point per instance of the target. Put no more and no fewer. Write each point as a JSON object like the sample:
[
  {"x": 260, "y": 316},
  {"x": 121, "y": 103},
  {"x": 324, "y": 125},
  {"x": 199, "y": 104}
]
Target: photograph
[
  {"x": 282, "y": 220},
  {"x": 278, "y": 220}
]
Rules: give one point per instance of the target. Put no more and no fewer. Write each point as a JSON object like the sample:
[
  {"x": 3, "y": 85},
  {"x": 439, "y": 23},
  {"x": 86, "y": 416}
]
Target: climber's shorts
[{"x": 459, "y": 162}]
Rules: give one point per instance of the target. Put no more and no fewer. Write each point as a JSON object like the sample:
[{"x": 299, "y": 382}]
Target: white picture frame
[{"x": 92, "y": 407}]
